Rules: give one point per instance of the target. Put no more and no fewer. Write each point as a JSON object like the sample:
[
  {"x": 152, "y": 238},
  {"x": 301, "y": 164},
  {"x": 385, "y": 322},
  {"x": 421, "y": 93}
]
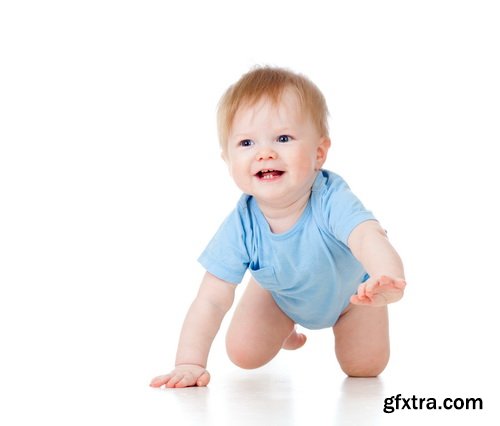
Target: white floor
[
  {"x": 109, "y": 386},
  {"x": 307, "y": 387}
]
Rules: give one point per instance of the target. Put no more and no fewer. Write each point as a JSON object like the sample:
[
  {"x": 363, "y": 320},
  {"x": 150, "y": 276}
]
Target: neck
[{"x": 282, "y": 218}]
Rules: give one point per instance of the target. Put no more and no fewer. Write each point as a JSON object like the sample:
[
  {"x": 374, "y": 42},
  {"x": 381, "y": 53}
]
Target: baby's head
[
  {"x": 270, "y": 83},
  {"x": 274, "y": 135}
]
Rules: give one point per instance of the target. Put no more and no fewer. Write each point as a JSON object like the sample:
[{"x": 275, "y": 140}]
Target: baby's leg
[
  {"x": 259, "y": 329},
  {"x": 362, "y": 340}
]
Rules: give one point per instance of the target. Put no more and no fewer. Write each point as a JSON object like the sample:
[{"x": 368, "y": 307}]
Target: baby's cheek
[{"x": 305, "y": 163}]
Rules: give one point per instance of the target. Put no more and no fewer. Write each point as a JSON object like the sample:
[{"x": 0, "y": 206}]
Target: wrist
[{"x": 180, "y": 364}]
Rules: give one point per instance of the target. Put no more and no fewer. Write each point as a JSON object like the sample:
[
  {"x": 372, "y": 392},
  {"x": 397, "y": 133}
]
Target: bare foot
[{"x": 294, "y": 341}]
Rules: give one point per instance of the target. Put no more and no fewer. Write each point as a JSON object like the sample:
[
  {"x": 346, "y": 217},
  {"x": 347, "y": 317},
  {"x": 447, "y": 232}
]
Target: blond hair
[{"x": 270, "y": 82}]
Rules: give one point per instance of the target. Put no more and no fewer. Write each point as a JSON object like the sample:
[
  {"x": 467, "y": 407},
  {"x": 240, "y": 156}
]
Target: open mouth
[{"x": 266, "y": 174}]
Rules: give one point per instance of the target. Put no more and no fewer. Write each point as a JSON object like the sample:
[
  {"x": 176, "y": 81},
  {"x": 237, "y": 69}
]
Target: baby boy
[{"x": 316, "y": 256}]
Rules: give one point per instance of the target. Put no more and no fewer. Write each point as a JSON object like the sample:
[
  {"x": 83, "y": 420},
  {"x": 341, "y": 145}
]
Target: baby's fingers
[
  {"x": 160, "y": 380},
  {"x": 361, "y": 297},
  {"x": 392, "y": 282},
  {"x": 361, "y": 291},
  {"x": 356, "y": 300},
  {"x": 204, "y": 379},
  {"x": 169, "y": 380},
  {"x": 371, "y": 284},
  {"x": 401, "y": 284},
  {"x": 182, "y": 381},
  {"x": 190, "y": 379},
  {"x": 370, "y": 287}
]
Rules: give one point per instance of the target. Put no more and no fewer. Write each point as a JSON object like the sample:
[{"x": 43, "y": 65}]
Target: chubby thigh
[
  {"x": 362, "y": 340},
  {"x": 258, "y": 328}
]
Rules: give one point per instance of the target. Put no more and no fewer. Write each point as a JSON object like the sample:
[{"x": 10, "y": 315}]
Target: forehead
[{"x": 286, "y": 108}]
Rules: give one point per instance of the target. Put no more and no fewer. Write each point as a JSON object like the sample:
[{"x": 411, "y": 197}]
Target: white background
[{"x": 111, "y": 182}]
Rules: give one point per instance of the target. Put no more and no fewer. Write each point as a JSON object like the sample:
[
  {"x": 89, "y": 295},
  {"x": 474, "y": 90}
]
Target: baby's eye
[
  {"x": 246, "y": 142},
  {"x": 284, "y": 138}
]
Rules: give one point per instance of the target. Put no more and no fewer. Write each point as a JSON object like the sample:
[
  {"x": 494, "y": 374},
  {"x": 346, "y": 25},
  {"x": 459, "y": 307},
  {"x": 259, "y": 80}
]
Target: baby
[{"x": 316, "y": 256}]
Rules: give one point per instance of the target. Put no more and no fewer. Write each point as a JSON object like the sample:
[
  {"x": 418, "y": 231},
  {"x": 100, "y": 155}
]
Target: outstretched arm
[
  {"x": 201, "y": 325},
  {"x": 370, "y": 245}
]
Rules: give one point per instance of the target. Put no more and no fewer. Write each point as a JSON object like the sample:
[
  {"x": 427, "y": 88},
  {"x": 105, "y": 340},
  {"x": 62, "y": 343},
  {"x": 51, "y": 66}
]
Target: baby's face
[{"x": 274, "y": 151}]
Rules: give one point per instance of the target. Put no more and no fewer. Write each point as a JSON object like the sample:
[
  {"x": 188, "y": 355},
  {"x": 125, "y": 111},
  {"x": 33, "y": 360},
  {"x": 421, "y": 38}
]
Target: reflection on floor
[{"x": 306, "y": 387}]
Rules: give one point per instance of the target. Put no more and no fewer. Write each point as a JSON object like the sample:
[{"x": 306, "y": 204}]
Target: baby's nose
[{"x": 266, "y": 153}]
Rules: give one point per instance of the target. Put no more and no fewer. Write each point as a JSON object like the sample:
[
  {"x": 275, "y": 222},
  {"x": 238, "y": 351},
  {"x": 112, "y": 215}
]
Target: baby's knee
[
  {"x": 368, "y": 368},
  {"x": 243, "y": 355},
  {"x": 243, "y": 358}
]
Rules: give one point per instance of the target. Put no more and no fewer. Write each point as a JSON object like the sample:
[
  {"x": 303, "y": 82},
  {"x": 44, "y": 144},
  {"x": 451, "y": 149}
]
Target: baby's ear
[
  {"x": 223, "y": 155},
  {"x": 322, "y": 151}
]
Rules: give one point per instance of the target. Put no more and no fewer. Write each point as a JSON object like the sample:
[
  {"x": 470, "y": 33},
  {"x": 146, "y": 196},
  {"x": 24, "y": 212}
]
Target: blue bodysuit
[{"x": 309, "y": 269}]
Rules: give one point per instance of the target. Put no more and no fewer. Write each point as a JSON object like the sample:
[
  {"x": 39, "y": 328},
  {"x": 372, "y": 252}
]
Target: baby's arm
[
  {"x": 202, "y": 323},
  {"x": 370, "y": 245}
]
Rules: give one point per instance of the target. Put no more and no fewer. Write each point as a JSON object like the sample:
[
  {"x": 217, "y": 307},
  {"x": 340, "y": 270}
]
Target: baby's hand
[
  {"x": 182, "y": 376},
  {"x": 379, "y": 291}
]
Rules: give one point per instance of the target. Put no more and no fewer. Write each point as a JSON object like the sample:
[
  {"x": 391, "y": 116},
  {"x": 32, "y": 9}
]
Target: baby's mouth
[{"x": 269, "y": 174}]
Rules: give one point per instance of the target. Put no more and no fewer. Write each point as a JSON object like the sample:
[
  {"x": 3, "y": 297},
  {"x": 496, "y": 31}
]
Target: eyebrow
[
  {"x": 278, "y": 131},
  {"x": 239, "y": 135}
]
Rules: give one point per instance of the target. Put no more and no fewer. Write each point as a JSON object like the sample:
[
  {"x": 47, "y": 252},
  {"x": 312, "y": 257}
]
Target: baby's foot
[{"x": 294, "y": 341}]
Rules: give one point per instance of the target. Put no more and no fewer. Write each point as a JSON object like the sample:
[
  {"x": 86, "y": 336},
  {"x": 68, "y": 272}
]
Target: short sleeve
[
  {"x": 342, "y": 209},
  {"x": 226, "y": 255}
]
